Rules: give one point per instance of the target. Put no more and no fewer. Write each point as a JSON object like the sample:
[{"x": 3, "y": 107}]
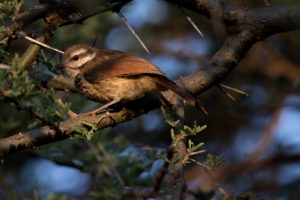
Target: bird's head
[{"x": 75, "y": 57}]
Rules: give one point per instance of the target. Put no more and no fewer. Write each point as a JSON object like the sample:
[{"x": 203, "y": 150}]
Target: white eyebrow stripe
[
  {"x": 85, "y": 59},
  {"x": 79, "y": 51}
]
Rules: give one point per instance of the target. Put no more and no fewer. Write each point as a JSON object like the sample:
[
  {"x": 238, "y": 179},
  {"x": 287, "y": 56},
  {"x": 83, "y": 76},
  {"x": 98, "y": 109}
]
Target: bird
[{"x": 115, "y": 77}]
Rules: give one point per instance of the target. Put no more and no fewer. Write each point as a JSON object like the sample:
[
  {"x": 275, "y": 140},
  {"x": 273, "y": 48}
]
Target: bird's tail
[{"x": 190, "y": 99}]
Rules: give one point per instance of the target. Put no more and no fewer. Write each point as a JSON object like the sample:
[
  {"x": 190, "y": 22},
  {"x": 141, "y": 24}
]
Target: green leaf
[
  {"x": 82, "y": 133},
  {"x": 213, "y": 161},
  {"x": 169, "y": 118},
  {"x": 173, "y": 135},
  {"x": 194, "y": 130},
  {"x": 201, "y": 144},
  {"x": 7, "y": 9}
]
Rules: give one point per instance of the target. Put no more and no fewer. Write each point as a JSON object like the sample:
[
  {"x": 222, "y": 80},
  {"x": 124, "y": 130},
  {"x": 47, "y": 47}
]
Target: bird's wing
[{"x": 118, "y": 64}]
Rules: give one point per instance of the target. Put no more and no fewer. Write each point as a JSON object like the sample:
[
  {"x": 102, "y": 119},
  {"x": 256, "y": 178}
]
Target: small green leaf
[
  {"x": 173, "y": 135},
  {"x": 199, "y": 146},
  {"x": 89, "y": 125},
  {"x": 191, "y": 144}
]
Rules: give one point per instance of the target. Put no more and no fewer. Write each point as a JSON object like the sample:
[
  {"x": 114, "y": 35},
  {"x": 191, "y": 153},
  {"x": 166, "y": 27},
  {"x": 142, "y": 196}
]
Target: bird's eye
[{"x": 75, "y": 58}]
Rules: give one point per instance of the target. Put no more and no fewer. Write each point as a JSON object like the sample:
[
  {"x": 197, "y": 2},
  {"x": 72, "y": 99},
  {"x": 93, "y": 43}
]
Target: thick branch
[
  {"x": 58, "y": 82},
  {"x": 34, "y": 138},
  {"x": 274, "y": 18},
  {"x": 111, "y": 6}
]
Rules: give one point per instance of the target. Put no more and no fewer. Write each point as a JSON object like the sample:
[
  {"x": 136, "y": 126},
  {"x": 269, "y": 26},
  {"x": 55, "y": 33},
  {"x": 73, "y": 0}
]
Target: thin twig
[
  {"x": 189, "y": 19},
  {"x": 234, "y": 89},
  {"x": 19, "y": 33},
  {"x": 133, "y": 32},
  {"x": 162, "y": 173}
]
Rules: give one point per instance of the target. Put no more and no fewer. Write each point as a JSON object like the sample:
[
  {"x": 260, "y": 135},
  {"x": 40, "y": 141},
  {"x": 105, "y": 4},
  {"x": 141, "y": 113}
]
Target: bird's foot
[
  {"x": 98, "y": 111},
  {"x": 104, "y": 108}
]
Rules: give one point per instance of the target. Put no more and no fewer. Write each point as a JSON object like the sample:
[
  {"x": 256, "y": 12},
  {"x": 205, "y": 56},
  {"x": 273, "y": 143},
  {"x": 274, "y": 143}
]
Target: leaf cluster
[
  {"x": 17, "y": 84},
  {"x": 87, "y": 130},
  {"x": 8, "y": 9},
  {"x": 211, "y": 161}
]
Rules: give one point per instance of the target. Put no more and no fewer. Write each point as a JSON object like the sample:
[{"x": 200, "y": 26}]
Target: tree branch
[
  {"x": 287, "y": 18},
  {"x": 58, "y": 82},
  {"x": 111, "y": 6}
]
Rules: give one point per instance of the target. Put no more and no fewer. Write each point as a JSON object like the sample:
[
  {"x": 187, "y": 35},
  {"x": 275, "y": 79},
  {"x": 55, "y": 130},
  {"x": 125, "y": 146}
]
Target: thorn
[
  {"x": 133, "y": 32},
  {"x": 191, "y": 22},
  {"x": 203, "y": 110},
  {"x": 226, "y": 93},
  {"x": 43, "y": 54},
  {"x": 95, "y": 41},
  {"x": 197, "y": 152},
  {"x": 233, "y": 89},
  {"x": 38, "y": 42}
]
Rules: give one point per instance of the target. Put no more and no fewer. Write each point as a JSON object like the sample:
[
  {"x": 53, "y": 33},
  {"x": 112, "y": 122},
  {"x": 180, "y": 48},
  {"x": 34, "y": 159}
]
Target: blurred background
[{"x": 258, "y": 134}]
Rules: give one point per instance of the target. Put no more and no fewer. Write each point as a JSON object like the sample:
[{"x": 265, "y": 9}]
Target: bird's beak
[{"x": 58, "y": 67}]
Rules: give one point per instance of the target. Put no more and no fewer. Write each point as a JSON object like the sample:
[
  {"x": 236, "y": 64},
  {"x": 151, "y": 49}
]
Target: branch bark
[{"x": 285, "y": 19}]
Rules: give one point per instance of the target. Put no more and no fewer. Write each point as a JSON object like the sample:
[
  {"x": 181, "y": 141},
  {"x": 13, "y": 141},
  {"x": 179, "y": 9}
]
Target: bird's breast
[{"x": 124, "y": 88}]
